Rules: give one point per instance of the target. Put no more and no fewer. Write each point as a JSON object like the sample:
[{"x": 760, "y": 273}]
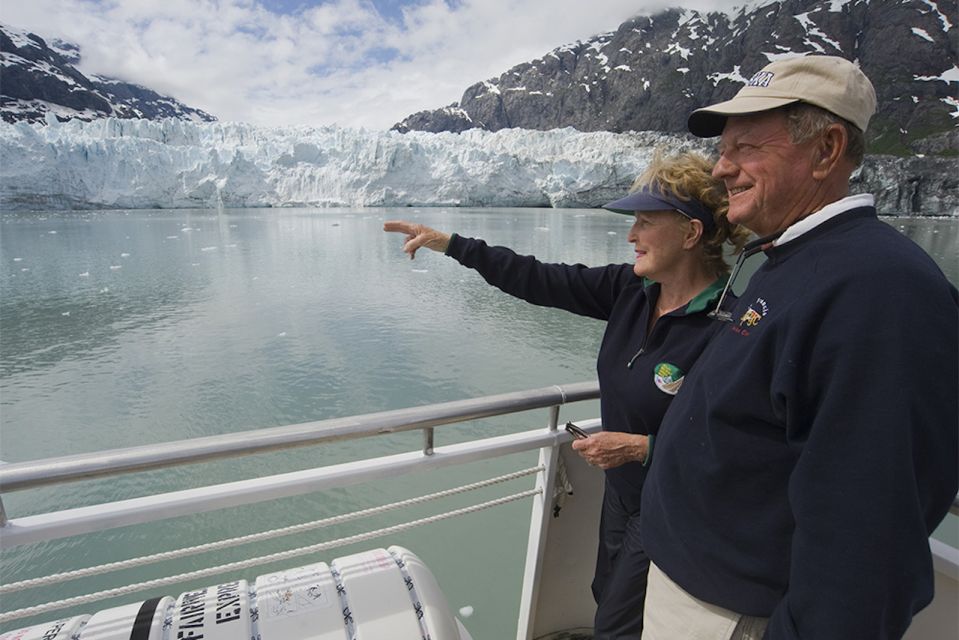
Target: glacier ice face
[
  {"x": 113, "y": 163},
  {"x": 133, "y": 164}
]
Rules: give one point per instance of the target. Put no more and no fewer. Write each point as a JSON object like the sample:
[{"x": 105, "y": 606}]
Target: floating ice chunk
[
  {"x": 25, "y": 269},
  {"x": 85, "y": 274},
  {"x": 124, "y": 255},
  {"x": 208, "y": 249},
  {"x": 65, "y": 313},
  {"x": 466, "y": 611},
  {"x": 281, "y": 334},
  {"x": 421, "y": 270},
  {"x": 611, "y": 233},
  {"x": 105, "y": 290},
  {"x": 18, "y": 259},
  {"x": 186, "y": 229},
  {"x": 53, "y": 232},
  {"x": 114, "y": 267}
]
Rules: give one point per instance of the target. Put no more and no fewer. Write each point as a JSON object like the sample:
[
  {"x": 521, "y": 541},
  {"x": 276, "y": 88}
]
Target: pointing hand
[{"x": 418, "y": 235}]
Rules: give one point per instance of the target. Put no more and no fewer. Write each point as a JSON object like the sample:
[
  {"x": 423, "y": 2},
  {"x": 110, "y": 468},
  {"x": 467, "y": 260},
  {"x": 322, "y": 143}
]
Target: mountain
[
  {"x": 653, "y": 71},
  {"x": 559, "y": 131},
  {"x": 38, "y": 78}
]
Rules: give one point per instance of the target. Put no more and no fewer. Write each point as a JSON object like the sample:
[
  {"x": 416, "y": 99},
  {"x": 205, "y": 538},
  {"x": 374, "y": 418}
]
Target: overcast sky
[{"x": 357, "y": 63}]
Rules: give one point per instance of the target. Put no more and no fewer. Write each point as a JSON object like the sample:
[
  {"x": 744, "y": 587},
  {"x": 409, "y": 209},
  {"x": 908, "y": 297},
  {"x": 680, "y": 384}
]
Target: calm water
[{"x": 124, "y": 328}]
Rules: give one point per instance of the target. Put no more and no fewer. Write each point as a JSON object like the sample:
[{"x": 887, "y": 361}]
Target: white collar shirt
[{"x": 831, "y": 210}]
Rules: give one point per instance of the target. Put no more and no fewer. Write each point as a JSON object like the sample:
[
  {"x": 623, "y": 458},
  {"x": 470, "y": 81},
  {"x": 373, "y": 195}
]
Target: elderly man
[{"x": 813, "y": 447}]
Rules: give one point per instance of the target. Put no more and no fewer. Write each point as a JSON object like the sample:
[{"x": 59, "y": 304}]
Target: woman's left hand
[{"x": 608, "y": 449}]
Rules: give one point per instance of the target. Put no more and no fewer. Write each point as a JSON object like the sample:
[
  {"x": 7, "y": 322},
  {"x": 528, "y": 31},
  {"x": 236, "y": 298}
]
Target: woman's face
[{"x": 658, "y": 238}]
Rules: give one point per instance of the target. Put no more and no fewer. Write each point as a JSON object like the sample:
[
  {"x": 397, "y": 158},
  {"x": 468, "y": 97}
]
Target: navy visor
[{"x": 650, "y": 198}]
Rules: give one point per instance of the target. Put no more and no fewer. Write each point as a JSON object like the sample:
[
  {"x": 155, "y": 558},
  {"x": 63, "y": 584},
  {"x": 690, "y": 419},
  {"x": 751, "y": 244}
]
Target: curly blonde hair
[{"x": 688, "y": 176}]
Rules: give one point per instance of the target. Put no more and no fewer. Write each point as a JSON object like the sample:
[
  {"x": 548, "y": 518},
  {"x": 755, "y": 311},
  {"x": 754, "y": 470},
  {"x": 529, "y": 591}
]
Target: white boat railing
[{"x": 30, "y": 529}]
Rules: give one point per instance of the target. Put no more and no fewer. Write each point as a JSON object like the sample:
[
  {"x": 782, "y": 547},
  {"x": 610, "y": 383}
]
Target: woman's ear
[{"x": 694, "y": 233}]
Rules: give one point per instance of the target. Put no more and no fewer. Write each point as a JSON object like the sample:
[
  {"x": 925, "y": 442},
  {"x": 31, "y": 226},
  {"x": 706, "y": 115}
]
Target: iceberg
[{"x": 130, "y": 164}]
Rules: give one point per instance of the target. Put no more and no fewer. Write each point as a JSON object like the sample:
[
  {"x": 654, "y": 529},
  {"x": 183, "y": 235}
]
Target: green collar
[{"x": 704, "y": 299}]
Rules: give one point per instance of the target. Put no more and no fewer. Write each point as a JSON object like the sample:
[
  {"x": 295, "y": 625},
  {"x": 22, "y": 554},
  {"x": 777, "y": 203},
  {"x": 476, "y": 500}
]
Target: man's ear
[{"x": 830, "y": 150}]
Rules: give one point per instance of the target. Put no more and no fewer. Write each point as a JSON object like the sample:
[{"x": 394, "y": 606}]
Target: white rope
[
  {"x": 255, "y": 537},
  {"x": 253, "y": 562}
]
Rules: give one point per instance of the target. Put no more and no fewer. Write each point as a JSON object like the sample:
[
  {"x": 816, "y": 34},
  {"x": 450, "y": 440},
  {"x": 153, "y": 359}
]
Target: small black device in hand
[{"x": 576, "y": 431}]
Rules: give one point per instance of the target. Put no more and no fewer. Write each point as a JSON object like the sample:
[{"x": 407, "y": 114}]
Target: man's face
[{"x": 769, "y": 179}]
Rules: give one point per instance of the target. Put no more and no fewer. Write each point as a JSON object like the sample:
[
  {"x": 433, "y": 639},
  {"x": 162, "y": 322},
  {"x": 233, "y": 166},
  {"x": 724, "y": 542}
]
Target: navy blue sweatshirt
[
  {"x": 814, "y": 446},
  {"x": 632, "y": 398}
]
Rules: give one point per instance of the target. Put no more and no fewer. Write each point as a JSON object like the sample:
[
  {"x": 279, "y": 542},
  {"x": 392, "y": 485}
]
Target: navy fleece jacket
[
  {"x": 632, "y": 399},
  {"x": 814, "y": 446}
]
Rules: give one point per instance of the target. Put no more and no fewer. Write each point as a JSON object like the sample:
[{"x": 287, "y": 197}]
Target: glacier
[
  {"x": 144, "y": 164},
  {"x": 113, "y": 163}
]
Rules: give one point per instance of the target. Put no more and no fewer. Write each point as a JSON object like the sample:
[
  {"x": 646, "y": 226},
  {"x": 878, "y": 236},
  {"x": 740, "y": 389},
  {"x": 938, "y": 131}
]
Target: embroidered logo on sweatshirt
[
  {"x": 755, "y": 312},
  {"x": 668, "y": 377}
]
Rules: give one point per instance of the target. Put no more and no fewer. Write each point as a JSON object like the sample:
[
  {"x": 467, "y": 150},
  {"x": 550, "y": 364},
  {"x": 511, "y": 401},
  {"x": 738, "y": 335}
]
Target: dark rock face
[
  {"x": 917, "y": 186},
  {"x": 654, "y": 70},
  {"x": 451, "y": 118},
  {"x": 38, "y": 79}
]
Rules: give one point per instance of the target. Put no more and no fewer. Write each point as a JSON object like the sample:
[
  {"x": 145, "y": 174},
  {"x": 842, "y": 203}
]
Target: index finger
[{"x": 400, "y": 226}]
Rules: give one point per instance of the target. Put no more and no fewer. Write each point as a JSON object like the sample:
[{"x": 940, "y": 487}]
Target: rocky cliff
[
  {"x": 651, "y": 72},
  {"x": 40, "y": 78}
]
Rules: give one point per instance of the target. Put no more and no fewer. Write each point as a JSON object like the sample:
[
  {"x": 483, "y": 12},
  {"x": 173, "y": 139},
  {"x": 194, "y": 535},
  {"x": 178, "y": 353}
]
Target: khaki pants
[{"x": 673, "y": 614}]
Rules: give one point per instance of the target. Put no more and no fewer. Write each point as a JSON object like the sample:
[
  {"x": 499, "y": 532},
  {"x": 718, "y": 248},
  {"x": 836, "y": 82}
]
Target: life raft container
[{"x": 383, "y": 594}]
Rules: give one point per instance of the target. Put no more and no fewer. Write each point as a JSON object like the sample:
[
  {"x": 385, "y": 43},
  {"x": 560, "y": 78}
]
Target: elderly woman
[{"x": 656, "y": 311}]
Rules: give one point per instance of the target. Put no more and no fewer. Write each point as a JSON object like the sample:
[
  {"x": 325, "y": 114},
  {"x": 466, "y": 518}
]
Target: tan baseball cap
[{"x": 835, "y": 84}]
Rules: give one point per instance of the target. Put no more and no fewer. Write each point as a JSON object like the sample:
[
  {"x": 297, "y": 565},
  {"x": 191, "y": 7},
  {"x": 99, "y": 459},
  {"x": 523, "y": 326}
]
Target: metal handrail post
[{"x": 538, "y": 530}]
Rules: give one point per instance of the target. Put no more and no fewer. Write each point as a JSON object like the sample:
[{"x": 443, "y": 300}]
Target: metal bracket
[
  {"x": 428, "y": 441},
  {"x": 562, "y": 488}
]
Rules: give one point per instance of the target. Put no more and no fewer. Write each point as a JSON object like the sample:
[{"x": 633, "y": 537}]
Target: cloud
[{"x": 338, "y": 61}]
